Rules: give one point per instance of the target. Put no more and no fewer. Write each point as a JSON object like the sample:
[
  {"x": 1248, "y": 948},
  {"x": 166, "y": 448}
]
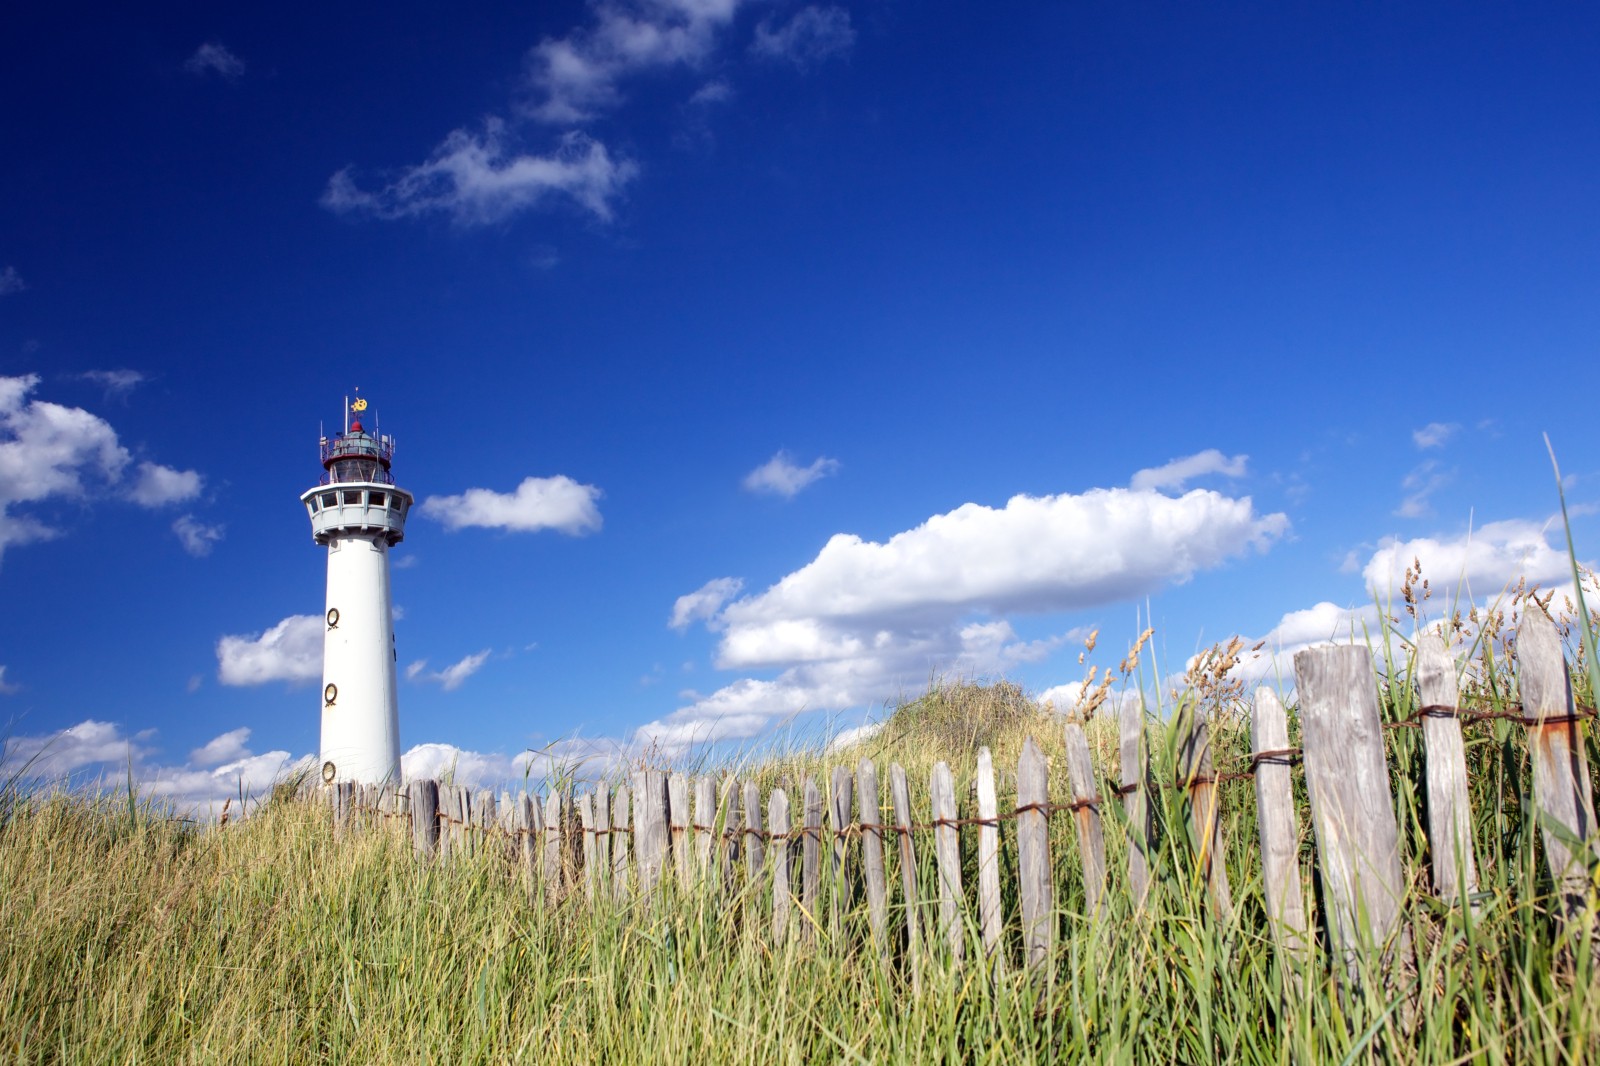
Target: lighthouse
[{"x": 358, "y": 514}]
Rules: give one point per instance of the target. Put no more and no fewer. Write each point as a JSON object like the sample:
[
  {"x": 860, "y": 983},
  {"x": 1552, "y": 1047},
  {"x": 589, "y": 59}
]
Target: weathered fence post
[
  {"x": 552, "y": 840},
  {"x": 1086, "y": 813},
  {"x": 1205, "y": 805},
  {"x": 989, "y": 916},
  {"x": 900, "y": 792},
  {"x": 1135, "y": 798},
  {"x": 839, "y": 821},
  {"x": 872, "y": 851},
  {"x": 778, "y": 827},
  {"x": 590, "y": 848},
  {"x": 650, "y": 828},
  {"x": 1455, "y": 874},
  {"x": 602, "y": 838},
  {"x": 678, "y": 815},
  {"x": 1035, "y": 884},
  {"x": 1275, "y": 815},
  {"x": 731, "y": 825},
  {"x": 1352, "y": 808},
  {"x": 810, "y": 857},
  {"x": 425, "y": 817},
  {"x": 947, "y": 855},
  {"x": 1561, "y": 787},
  {"x": 533, "y": 818},
  {"x": 705, "y": 820},
  {"x": 754, "y": 848},
  {"x": 620, "y": 812}
]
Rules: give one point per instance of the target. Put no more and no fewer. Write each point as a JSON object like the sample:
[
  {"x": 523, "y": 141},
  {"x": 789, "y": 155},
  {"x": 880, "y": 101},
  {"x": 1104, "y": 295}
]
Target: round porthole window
[
  {"x": 328, "y": 772},
  {"x": 333, "y": 618},
  {"x": 330, "y": 694}
]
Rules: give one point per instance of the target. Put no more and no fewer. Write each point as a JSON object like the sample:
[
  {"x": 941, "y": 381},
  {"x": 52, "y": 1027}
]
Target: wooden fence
[{"x": 800, "y": 869}]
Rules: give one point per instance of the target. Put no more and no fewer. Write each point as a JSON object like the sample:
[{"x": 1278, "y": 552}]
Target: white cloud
[
  {"x": 117, "y": 383},
  {"x": 6, "y": 688},
  {"x": 451, "y": 677},
  {"x": 11, "y": 281},
  {"x": 846, "y": 738},
  {"x": 716, "y": 91},
  {"x": 810, "y": 36},
  {"x": 229, "y": 747},
  {"x": 704, "y": 602},
  {"x": 781, "y": 476},
  {"x": 576, "y": 78},
  {"x": 582, "y": 758},
  {"x": 85, "y": 744},
  {"x": 289, "y": 651},
  {"x": 197, "y": 538},
  {"x": 558, "y": 503},
  {"x": 865, "y": 620},
  {"x": 478, "y": 179},
  {"x": 1420, "y": 484},
  {"x": 1486, "y": 560},
  {"x": 1177, "y": 473},
  {"x": 159, "y": 485},
  {"x": 1434, "y": 434},
  {"x": 214, "y": 58}
]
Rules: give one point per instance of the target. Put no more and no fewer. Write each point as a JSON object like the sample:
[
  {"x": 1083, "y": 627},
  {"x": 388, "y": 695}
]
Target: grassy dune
[{"x": 131, "y": 937}]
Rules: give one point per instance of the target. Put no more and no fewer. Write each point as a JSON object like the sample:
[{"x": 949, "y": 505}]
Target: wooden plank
[
  {"x": 1280, "y": 829},
  {"x": 602, "y": 839},
  {"x": 732, "y": 832},
  {"x": 947, "y": 855},
  {"x": 533, "y": 844},
  {"x": 590, "y": 855},
  {"x": 755, "y": 851},
  {"x": 1455, "y": 871},
  {"x": 900, "y": 793},
  {"x": 1352, "y": 807},
  {"x": 872, "y": 851},
  {"x": 989, "y": 913},
  {"x": 650, "y": 828},
  {"x": 620, "y": 813},
  {"x": 839, "y": 824},
  {"x": 485, "y": 817},
  {"x": 553, "y": 825},
  {"x": 678, "y": 818},
  {"x": 810, "y": 858},
  {"x": 1035, "y": 885},
  {"x": 1198, "y": 771},
  {"x": 1561, "y": 789},
  {"x": 1135, "y": 780},
  {"x": 705, "y": 821},
  {"x": 1086, "y": 815},
  {"x": 778, "y": 826},
  {"x": 425, "y": 818}
]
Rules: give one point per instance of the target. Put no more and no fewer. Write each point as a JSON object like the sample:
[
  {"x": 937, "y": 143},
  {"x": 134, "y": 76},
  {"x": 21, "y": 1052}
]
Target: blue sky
[{"x": 755, "y": 361}]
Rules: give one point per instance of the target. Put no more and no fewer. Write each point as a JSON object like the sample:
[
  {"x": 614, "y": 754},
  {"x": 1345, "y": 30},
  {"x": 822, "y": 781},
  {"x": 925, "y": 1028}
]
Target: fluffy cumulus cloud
[
  {"x": 197, "y": 537},
  {"x": 1483, "y": 562},
  {"x": 580, "y": 758},
  {"x": 213, "y": 57},
  {"x": 1173, "y": 476},
  {"x": 704, "y": 602},
  {"x": 51, "y": 451},
  {"x": 228, "y": 747},
  {"x": 866, "y": 620},
  {"x": 289, "y": 651},
  {"x": 451, "y": 677},
  {"x": 155, "y": 485},
  {"x": 782, "y": 476},
  {"x": 809, "y": 36},
  {"x": 558, "y": 503},
  {"x": 477, "y": 177}
]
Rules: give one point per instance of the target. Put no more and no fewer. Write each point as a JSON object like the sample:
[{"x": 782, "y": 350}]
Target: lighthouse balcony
[{"x": 357, "y": 508}]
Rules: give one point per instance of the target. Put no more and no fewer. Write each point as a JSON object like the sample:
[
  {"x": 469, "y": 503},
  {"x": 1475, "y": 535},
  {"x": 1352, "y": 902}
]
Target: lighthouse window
[
  {"x": 377, "y": 499},
  {"x": 330, "y": 499}
]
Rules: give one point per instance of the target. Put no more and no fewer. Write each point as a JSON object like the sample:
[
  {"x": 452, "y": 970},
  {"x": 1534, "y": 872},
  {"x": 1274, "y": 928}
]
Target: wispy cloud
[
  {"x": 117, "y": 383},
  {"x": 782, "y": 476},
  {"x": 558, "y": 503},
  {"x": 11, "y": 281},
  {"x": 289, "y": 651},
  {"x": 197, "y": 537},
  {"x": 6, "y": 688},
  {"x": 222, "y": 749},
  {"x": 1174, "y": 475},
  {"x": 1419, "y": 486},
  {"x": 213, "y": 57},
  {"x": 704, "y": 602},
  {"x": 1434, "y": 434},
  {"x": 477, "y": 178},
  {"x": 451, "y": 677},
  {"x": 156, "y": 485},
  {"x": 810, "y": 36}
]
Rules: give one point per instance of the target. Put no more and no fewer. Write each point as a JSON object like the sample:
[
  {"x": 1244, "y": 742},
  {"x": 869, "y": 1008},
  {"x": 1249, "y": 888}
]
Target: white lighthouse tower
[{"x": 358, "y": 514}]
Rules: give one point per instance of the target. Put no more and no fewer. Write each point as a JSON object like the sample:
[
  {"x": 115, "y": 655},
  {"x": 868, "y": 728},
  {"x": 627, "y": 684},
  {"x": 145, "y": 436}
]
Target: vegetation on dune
[{"x": 133, "y": 937}]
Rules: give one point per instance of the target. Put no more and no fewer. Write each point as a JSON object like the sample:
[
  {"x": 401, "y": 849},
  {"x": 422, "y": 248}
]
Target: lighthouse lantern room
[{"x": 358, "y": 514}]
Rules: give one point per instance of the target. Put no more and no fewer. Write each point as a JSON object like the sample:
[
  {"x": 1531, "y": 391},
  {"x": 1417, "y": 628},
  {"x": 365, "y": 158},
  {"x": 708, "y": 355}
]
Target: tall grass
[{"x": 142, "y": 938}]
